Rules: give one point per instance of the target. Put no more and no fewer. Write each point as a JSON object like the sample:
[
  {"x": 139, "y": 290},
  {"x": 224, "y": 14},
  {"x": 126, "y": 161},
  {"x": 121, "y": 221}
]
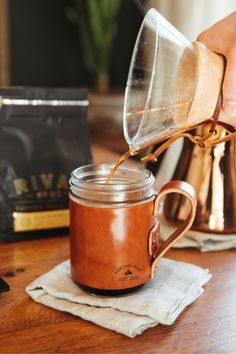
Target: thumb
[{"x": 229, "y": 85}]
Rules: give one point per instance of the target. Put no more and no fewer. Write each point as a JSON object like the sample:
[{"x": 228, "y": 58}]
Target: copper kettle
[{"x": 211, "y": 171}]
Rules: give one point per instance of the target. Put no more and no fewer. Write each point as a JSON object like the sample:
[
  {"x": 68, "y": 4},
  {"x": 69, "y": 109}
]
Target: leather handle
[{"x": 186, "y": 190}]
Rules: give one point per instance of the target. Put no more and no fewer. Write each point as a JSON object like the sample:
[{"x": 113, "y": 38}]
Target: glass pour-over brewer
[{"x": 174, "y": 90}]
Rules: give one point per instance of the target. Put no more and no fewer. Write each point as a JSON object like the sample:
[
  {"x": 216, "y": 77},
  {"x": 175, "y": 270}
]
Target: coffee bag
[{"x": 43, "y": 137}]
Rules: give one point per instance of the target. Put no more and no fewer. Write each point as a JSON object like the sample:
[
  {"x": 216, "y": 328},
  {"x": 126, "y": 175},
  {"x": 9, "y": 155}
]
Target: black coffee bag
[{"x": 43, "y": 137}]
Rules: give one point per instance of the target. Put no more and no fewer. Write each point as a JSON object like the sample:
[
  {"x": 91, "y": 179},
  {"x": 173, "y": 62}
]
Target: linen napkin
[
  {"x": 161, "y": 300},
  {"x": 205, "y": 242}
]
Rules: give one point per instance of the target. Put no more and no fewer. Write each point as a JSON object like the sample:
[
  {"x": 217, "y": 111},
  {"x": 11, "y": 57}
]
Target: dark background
[{"x": 45, "y": 49}]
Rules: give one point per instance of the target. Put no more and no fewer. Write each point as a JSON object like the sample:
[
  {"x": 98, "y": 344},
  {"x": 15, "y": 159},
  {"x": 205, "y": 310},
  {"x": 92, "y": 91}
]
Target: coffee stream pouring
[{"x": 173, "y": 86}]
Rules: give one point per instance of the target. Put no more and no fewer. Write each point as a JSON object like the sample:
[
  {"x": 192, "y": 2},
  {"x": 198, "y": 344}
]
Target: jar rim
[{"x": 130, "y": 182}]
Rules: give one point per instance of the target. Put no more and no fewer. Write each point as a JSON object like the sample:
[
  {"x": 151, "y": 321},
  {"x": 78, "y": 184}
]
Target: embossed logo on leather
[{"x": 128, "y": 272}]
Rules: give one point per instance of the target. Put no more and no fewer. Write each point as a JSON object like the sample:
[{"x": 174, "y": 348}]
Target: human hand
[{"x": 221, "y": 38}]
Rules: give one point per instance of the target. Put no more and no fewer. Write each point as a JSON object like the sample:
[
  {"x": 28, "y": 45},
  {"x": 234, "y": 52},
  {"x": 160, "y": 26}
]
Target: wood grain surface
[{"x": 206, "y": 326}]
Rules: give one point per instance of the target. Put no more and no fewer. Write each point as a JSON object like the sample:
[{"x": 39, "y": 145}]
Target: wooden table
[{"x": 206, "y": 326}]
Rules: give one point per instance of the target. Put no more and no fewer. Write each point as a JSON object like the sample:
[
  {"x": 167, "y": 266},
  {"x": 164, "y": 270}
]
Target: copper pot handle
[{"x": 186, "y": 190}]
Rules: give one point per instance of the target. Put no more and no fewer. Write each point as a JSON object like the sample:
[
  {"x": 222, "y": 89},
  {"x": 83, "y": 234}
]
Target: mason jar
[{"x": 114, "y": 229}]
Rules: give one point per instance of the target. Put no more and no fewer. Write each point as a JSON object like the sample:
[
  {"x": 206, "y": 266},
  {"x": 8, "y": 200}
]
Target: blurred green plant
[{"x": 95, "y": 21}]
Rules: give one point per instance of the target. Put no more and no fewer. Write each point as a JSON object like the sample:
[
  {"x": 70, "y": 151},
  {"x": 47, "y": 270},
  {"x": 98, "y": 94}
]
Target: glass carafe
[{"x": 172, "y": 84}]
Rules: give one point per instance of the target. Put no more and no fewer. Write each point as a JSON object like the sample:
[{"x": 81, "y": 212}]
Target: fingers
[
  {"x": 229, "y": 85},
  {"x": 220, "y": 38},
  {"x": 210, "y": 39}
]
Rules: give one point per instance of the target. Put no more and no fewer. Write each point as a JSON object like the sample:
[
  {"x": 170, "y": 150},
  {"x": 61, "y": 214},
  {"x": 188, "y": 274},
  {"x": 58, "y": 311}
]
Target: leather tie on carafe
[{"x": 203, "y": 141}]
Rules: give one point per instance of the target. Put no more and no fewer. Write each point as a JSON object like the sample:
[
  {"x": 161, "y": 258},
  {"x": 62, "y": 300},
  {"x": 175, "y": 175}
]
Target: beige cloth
[
  {"x": 161, "y": 300},
  {"x": 205, "y": 242}
]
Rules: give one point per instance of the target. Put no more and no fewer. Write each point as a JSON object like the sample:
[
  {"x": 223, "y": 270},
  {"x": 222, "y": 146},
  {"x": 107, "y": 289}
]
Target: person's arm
[{"x": 221, "y": 38}]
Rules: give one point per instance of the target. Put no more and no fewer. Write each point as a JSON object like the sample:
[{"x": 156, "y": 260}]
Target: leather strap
[
  {"x": 214, "y": 119},
  {"x": 216, "y": 113}
]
